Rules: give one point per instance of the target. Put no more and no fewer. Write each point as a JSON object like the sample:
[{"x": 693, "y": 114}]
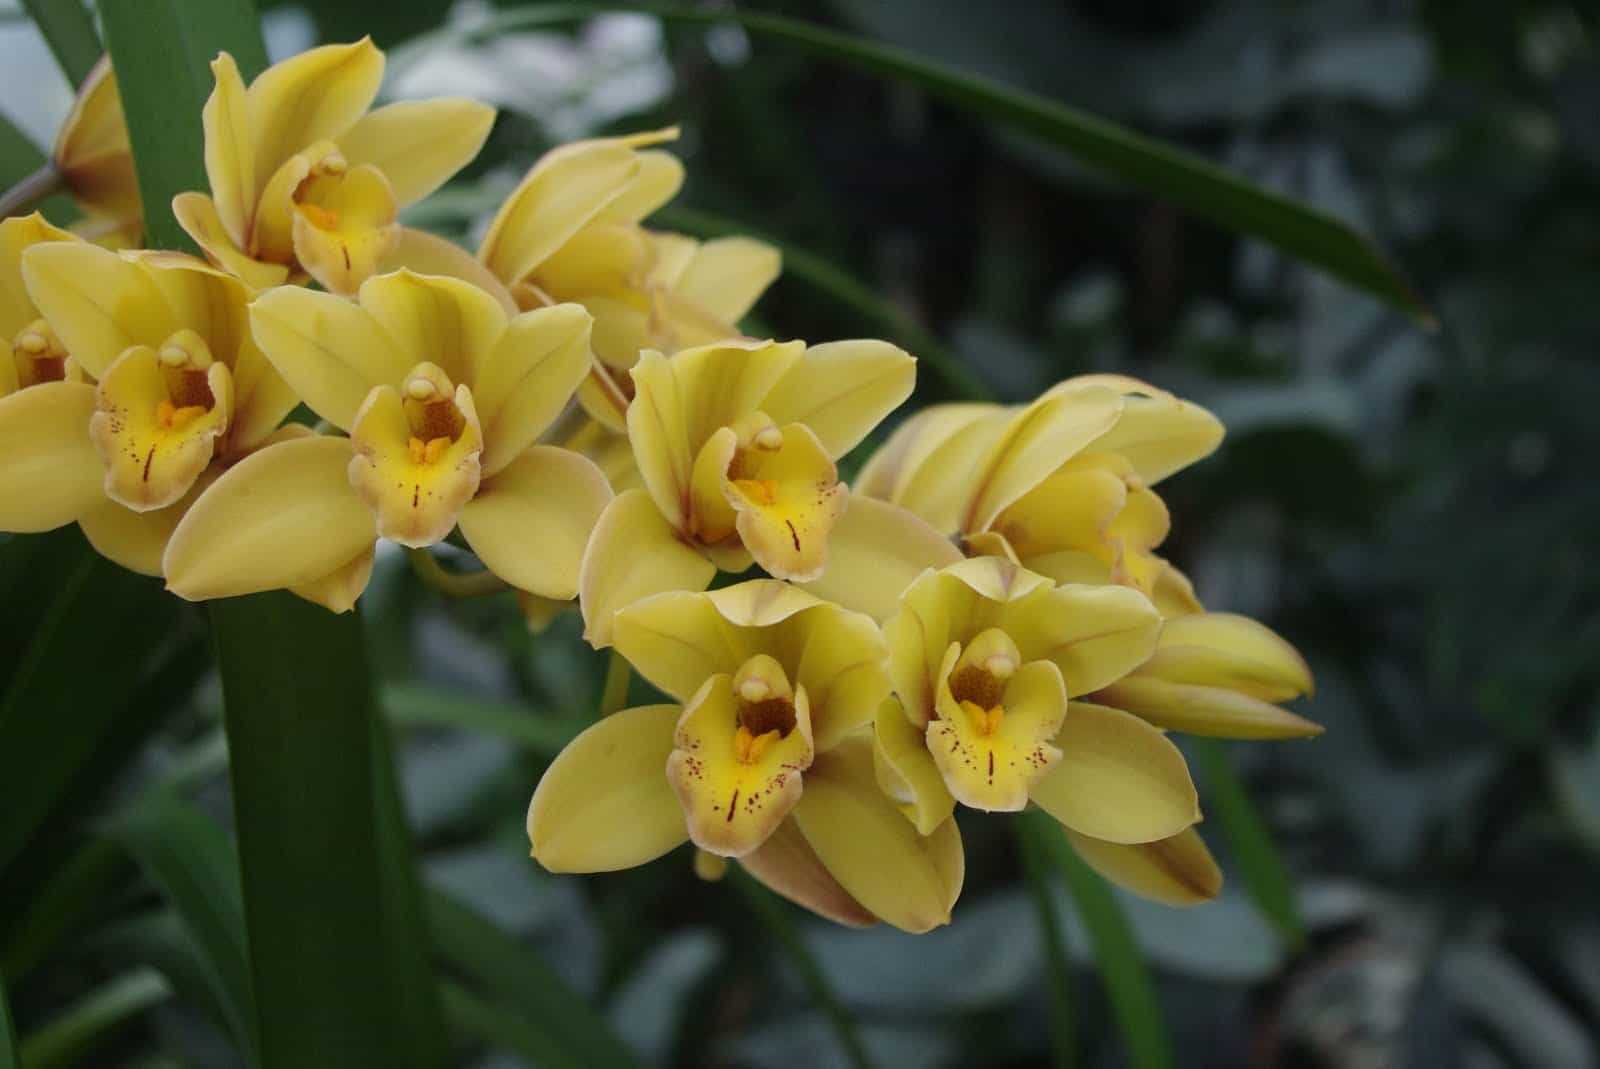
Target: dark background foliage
[{"x": 1413, "y": 509}]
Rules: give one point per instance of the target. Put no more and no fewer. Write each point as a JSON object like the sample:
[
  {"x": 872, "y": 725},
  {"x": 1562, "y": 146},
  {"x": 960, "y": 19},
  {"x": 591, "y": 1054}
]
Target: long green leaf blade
[
  {"x": 569, "y": 1033},
  {"x": 69, "y": 31},
  {"x": 160, "y": 49},
  {"x": 1261, "y": 866},
  {"x": 329, "y": 971},
  {"x": 64, "y": 1040},
  {"x": 1198, "y": 185},
  {"x": 1034, "y": 830},
  {"x": 1127, "y": 981},
  {"x": 9, "y": 1058},
  {"x": 163, "y": 941},
  {"x": 191, "y": 860}
]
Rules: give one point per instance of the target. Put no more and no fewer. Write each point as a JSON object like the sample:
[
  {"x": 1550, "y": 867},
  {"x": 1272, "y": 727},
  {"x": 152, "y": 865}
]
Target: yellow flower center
[
  {"x": 417, "y": 455},
  {"x": 741, "y": 746},
  {"x": 996, "y": 717},
  {"x": 161, "y": 415}
]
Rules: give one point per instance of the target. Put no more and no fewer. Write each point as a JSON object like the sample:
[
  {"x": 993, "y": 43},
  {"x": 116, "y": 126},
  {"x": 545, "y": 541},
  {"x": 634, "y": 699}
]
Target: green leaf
[
  {"x": 1265, "y": 875},
  {"x": 69, "y": 31},
  {"x": 1127, "y": 981},
  {"x": 774, "y": 916},
  {"x": 75, "y": 894},
  {"x": 9, "y": 1058},
  {"x": 162, "y": 941},
  {"x": 191, "y": 860},
  {"x": 1034, "y": 830},
  {"x": 336, "y": 981},
  {"x": 65, "y": 605},
  {"x": 1314, "y": 236},
  {"x": 65, "y": 1040},
  {"x": 554, "y": 1025},
  {"x": 161, "y": 50}
]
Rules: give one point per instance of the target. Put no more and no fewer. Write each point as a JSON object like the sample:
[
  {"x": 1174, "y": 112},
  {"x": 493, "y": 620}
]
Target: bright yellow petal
[
  {"x": 330, "y": 351},
  {"x": 658, "y": 430},
  {"x": 50, "y": 473},
  {"x": 844, "y": 668},
  {"x": 906, "y": 770},
  {"x": 842, "y": 390},
  {"x": 340, "y": 237},
  {"x": 558, "y": 198},
  {"x": 605, "y": 803},
  {"x": 9, "y": 383},
  {"x": 418, "y": 144},
  {"x": 722, "y": 382},
  {"x": 787, "y": 500},
  {"x": 339, "y": 590},
  {"x": 92, "y": 151},
  {"x": 1213, "y": 711},
  {"x": 940, "y": 488},
  {"x": 282, "y": 517},
  {"x": 1095, "y": 635},
  {"x": 17, "y": 235},
  {"x": 1217, "y": 649},
  {"x": 991, "y": 753},
  {"x": 429, "y": 254},
  {"x": 135, "y": 540},
  {"x": 786, "y": 864},
  {"x": 909, "y": 880},
  {"x": 600, "y": 260},
  {"x": 678, "y": 639},
  {"x": 1158, "y": 433},
  {"x": 530, "y": 522},
  {"x": 1069, "y": 511},
  {"x": 657, "y": 181},
  {"x": 1119, "y": 779},
  {"x": 98, "y": 303},
  {"x": 632, "y": 554},
  {"x": 874, "y": 552},
  {"x": 886, "y": 472},
  {"x": 197, "y": 214},
  {"x": 1179, "y": 871},
  {"x": 416, "y": 461},
  {"x": 229, "y": 150},
  {"x": 528, "y": 378},
  {"x": 1038, "y": 440},
  {"x": 314, "y": 96},
  {"x": 726, "y": 276},
  {"x": 737, "y": 767},
  {"x": 437, "y": 320},
  {"x": 1174, "y": 594}
]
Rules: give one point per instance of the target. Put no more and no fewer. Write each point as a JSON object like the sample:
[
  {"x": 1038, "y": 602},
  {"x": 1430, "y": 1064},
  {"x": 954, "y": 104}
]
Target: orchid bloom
[
  {"x": 93, "y": 156},
  {"x": 766, "y": 758},
  {"x": 443, "y": 393},
  {"x": 181, "y": 393},
  {"x": 736, "y": 445},
  {"x": 305, "y": 181},
  {"x": 569, "y": 232}
]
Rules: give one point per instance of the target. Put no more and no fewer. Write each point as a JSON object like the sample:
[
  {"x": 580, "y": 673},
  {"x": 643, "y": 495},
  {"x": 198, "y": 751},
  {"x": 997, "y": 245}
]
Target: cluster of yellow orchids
[{"x": 982, "y": 619}]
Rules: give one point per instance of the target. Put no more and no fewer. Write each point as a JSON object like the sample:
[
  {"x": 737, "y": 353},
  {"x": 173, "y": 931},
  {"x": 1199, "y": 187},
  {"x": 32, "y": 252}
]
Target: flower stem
[
  {"x": 766, "y": 906},
  {"x": 453, "y": 584},
  {"x": 31, "y": 190},
  {"x": 1036, "y": 867}
]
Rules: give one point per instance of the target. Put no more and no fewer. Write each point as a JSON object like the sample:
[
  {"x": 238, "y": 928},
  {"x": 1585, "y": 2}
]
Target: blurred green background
[{"x": 1414, "y": 510}]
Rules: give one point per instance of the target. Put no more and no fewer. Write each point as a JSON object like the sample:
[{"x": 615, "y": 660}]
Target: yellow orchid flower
[
  {"x": 443, "y": 394},
  {"x": 736, "y": 446},
  {"x": 1060, "y": 486},
  {"x": 92, "y": 154},
  {"x": 569, "y": 232},
  {"x": 305, "y": 180},
  {"x": 766, "y": 759},
  {"x": 180, "y": 392},
  {"x": 985, "y": 656}
]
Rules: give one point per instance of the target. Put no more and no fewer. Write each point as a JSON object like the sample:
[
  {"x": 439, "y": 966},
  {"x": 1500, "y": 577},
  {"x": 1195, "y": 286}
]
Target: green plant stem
[
  {"x": 437, "y": 577},
  {"x": 1031, "y": 831},
  {"x": 67, "y": 1038},
  {"x": 614, "y": 694},
  {"x": 69, "y": 31},
  {"x": 1265, "y": 875},
  {"x": 772, "y": 913}
]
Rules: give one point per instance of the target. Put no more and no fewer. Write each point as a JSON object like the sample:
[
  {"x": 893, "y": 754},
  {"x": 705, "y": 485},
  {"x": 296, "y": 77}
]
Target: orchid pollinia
[{"x": 983, "y": 621}]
